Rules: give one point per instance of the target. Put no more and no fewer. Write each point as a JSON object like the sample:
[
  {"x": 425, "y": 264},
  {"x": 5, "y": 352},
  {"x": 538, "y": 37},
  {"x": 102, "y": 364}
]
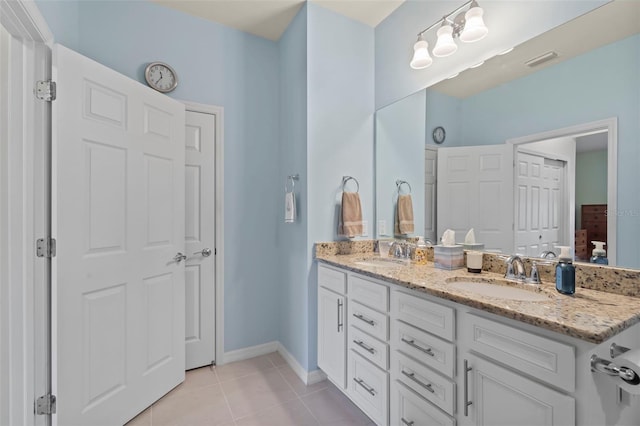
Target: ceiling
[
  {"x": 270, "y": 18},
  {"x": 571, "y": 39}
]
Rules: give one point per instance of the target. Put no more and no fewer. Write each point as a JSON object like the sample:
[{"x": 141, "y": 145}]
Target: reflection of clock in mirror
[
  {"x": 161, "y": 77},
  {"x": 439, "y": 134}
]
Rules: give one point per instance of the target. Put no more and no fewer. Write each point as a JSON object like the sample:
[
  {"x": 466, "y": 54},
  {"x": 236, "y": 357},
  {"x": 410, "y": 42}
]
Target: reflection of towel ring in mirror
[
  {"x": 292, "y": 179},
  {"x": 346, "y": 179},
  {"x": 399, "y": 184}
]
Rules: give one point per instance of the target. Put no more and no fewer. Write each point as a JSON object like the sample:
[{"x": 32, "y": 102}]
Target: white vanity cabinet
[
  {"x": 413, "y": 359},
  {"x": 423, "y": 360},
  {"x": 497, "y": 367},
  {"x": 332, "y": 332},
  {"x": 368, "y": 354}
]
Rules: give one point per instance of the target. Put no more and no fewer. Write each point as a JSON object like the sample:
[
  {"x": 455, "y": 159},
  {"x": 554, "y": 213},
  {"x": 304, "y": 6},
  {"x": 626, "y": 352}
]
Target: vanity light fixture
[
  {"x": 421, "y": 58},
  {"x": 468, "y": 26}
]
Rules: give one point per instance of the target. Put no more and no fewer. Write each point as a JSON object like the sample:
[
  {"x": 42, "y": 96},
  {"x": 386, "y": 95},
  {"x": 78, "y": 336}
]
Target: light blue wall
[
  {"x": 292, "y": 237},
  {"x": 509, "y": 22},
  {"x": 597, "y": 85},
  {"x": 220, "y": 66},
  {"x": 591, "y": 181},
  {"x": 340, "y": 81},
  {"x": 400, "y": 140},
  {"x": 443, "y": 110}
]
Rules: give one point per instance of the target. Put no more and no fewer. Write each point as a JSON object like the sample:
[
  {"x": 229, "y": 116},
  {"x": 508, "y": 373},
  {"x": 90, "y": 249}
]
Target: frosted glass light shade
[
  {"x": 445, "y": 45},
  {"x": 474, "y": 28},
  {"x": 421, "y": 58}
]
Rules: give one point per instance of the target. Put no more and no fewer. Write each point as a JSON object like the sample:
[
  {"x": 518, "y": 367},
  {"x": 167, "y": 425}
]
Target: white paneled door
[
  {"x": 200, "y": 133},
  {"x": 430, "y": 174},
  {"x": 539, "y": 204},
  {"x": 118, "y": 217},
  {"x": 475, "y": 190}
]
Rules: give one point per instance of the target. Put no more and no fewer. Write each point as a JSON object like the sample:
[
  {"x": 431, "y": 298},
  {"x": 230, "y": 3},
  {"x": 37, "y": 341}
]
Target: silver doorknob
[
  {"x": 179, "y": 257},
  {"x": 205, "y": 252}
]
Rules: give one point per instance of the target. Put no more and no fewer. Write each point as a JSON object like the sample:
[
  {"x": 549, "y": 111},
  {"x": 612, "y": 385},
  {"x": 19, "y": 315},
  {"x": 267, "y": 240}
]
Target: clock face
[
  {"x": 161, "y": 77},
  {"x": 439, "y": 134}
]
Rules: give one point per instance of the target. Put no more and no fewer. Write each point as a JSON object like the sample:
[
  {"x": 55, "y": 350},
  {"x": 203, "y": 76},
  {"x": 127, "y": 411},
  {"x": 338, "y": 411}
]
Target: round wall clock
[
  {"x": 161, "y": 77},
  {"x": 439, "y": 134}
]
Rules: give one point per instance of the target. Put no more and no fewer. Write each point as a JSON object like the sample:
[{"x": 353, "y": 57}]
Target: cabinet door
[
  {"x": 332, "y": 350},
  {"x": 498, "y": 397}
]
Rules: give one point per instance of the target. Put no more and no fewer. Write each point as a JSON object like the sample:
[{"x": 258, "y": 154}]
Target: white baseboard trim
[
  {"x": 307, "y": 377},
  {"x": 249, "y": 352}
]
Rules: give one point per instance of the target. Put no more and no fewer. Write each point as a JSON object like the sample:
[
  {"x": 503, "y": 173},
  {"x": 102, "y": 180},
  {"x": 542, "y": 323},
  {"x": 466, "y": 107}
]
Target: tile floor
[{"x": 261, "y": 391}]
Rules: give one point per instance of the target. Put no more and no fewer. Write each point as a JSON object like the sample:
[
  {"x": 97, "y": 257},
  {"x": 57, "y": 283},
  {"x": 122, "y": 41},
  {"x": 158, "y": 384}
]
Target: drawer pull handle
[
  {"x": 427, "y": 386},
  {"x": 467, "y": 403},
  {"x": 407, "y": 423},
  {"x": 364, "y": 346},
  {"x": 412, "y": 343},
  {"x": 362, "y": 318},
  {"x": 366, "y": 387}
]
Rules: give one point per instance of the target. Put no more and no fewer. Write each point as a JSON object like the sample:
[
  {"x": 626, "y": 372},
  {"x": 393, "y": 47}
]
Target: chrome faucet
[
  {"x": 547, "y": 254},
  {"x": 515, "y": 268},
  {"x": 517, "y": 271},
  {"x": 398, "y": 250}
]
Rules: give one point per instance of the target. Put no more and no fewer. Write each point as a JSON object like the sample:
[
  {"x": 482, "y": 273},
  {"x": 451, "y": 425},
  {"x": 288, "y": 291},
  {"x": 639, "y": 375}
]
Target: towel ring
[
  {"x": 399, "y": 184},
  {"x": 346, "y": 179},
  {"x": 292, "y": 179}
]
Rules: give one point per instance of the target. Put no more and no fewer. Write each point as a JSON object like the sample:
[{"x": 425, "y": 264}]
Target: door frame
[
  {"x": 218, "y": 111},
  {"x": 611, "y": 126},
  {"x": 24, "y": 217}
]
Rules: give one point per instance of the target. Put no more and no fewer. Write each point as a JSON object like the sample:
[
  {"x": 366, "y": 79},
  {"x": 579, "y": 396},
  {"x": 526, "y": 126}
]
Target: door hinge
[
  {"x": 45, "y": 90},
  {"x": 46, "y": 247},
  {"x": 46, "y": 405}
]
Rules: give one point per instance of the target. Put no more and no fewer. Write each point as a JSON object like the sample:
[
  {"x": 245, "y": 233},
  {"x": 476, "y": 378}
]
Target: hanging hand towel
[
  {"x": 289, "y": 207},
  {"x": 404, "y": 215},
  {"x": 350, "y": 221}
]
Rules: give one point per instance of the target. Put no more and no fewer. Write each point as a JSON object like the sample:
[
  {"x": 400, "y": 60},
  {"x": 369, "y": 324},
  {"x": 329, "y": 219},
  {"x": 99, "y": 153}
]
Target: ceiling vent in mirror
[{"x": 538, "y": 60}]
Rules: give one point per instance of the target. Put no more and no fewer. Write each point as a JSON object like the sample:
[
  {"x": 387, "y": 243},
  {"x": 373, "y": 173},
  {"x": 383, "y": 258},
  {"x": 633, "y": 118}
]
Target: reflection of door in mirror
[
  {"x": 430, "y": 174},
  {"x": 540, "y": 203},
  {"x": 588, "y": 152},
  {"x": 475, "y": 190}
]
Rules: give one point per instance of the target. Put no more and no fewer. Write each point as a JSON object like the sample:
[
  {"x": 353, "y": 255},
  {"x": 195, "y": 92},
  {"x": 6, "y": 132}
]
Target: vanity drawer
[
  {"x": 366, "y": 319},
  {"x": 369, "y": 388},
  {"x": 431, "y": 317},
  {"x": 372, "y": 349},
  {"x": 408, "y": 409},
  {"x": 332, "y": 279},
  {"x": 369, "y": 293},
  {"x": 430, "y": 350},
  {"x": 424, "y": 381},
  {"x": 540, "y": 357}
]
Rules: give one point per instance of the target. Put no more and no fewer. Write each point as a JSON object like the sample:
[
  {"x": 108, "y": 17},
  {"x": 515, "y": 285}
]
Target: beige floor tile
[
  {"x": 201, "y": 407},
  {"x": 277, "y": 359},
  {"x": 330, "y": 407},
  {"x": 256, "y": 392},
  {"x": 292, "y": 413},
  {"x": 298, "y": 385},
  {"x": 194, "y": 380},
  {"x": 142, "y": 419},
  {"x": 239, "y": 369}
]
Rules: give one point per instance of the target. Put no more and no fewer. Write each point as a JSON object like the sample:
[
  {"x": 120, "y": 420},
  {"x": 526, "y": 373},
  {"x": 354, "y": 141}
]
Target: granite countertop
[{"x": 589, "y": 315}]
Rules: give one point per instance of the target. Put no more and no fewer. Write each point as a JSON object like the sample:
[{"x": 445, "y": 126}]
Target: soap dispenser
[
  {"x": 599, "y": 253},
  {"x": 565, "y": 272}
]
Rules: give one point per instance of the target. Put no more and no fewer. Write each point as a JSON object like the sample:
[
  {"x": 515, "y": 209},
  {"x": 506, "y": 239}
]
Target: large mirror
[{"x": 570, "y": 119}]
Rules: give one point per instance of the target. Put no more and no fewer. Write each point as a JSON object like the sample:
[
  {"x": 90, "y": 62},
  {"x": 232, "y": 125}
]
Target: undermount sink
[
  {"x": 382, "y": 262},
  {"x": 497, "y": 290}
]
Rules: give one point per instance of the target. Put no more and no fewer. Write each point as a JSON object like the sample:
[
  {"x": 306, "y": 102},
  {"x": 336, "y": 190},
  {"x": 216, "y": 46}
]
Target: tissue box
[{"x": 448, "y": 257}]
